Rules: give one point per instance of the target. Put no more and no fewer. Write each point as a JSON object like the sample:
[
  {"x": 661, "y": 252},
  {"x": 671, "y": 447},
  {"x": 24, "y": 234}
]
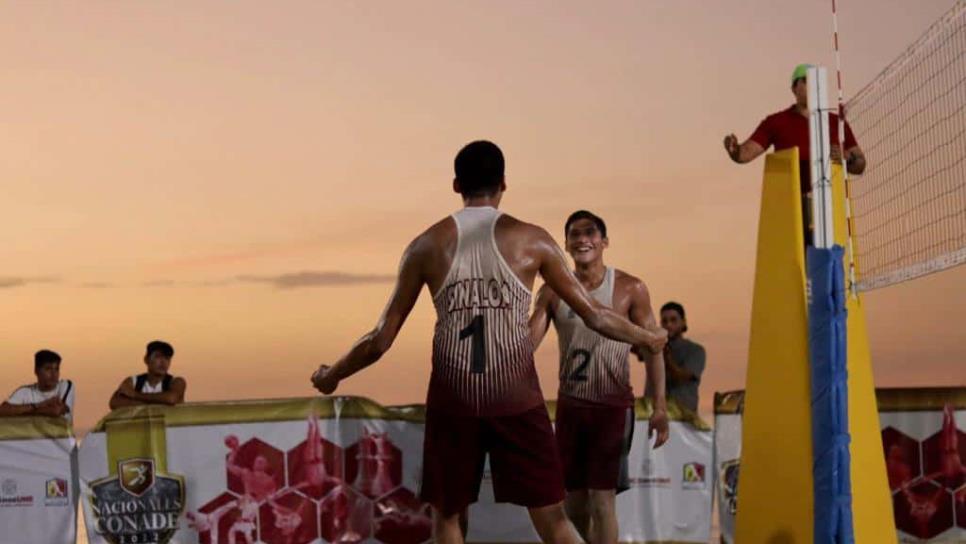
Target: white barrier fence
[
  {"x": 335, "y": 470},
  {"x": 925, "y": 449},
  {"x": 38, "y": 486}
]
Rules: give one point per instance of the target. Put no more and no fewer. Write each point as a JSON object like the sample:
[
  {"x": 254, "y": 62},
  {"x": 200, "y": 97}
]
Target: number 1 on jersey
[{"x": 477, "y": 331}]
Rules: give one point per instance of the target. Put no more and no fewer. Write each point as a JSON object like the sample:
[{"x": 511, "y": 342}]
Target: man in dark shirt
[{"x": 683, "y": 359}]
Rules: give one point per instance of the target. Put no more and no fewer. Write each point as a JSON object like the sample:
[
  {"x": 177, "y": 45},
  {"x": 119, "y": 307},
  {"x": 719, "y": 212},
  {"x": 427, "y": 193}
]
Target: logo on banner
[
  {"x": 139, "y": 505},
  {"x": 649, "y": 477},
  {"x": 729, "y": 485},
  {"x": 56, "y": 492},
  {"x": 136, "y": 475},
  {"x": 693, "y": 476},
  {"x": 9, "y": 494}
]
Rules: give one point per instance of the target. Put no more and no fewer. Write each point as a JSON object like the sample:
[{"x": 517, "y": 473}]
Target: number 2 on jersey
[
  {"x": 580, "y": 373},
  {"x": 477, "y": 331}
]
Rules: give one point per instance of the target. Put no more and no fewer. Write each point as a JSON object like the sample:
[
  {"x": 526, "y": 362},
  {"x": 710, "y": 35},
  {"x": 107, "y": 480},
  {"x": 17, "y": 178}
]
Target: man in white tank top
[
  {"x": 595, "y": 403},
  {"x": 484, "y": 399},
  {"x": 49, "y": 396},
  {"x": 156, "y": 386}
]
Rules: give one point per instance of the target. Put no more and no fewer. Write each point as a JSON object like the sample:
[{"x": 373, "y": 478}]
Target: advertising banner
[
  {"x": 38, "y": 495},
  {"x": 340, "y": 469},
  {"x": 924, "y": 443}
]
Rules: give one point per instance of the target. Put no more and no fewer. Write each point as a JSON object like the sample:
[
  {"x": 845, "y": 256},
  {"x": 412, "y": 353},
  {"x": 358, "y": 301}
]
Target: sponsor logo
[
  {"x": 693, "y": 476},
  {"x": 139, "y": 505},
  {"x": 729, "y": 485},
  {"x": 649, "y": 477},
  {"x": 9, "y": 494},
  {"x": 136, "y": 476},
  {"x": 56, "y": 492}
]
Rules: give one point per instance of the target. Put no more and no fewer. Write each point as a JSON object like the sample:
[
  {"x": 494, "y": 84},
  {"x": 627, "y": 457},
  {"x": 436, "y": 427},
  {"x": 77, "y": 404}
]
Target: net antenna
[{"x": 851, "y": 282}]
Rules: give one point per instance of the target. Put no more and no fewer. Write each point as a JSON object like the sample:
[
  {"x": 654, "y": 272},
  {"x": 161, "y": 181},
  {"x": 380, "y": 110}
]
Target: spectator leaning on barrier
[
  {"x": 789, "y": 128},
  {"x": 683, "y": 359},
  {"x": 156, "y": 386},
  {"x": 49, "y": 396}
]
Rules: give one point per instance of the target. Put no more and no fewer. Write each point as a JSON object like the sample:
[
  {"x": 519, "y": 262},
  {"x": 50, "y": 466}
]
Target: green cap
[{"x": 800, "y": 71}]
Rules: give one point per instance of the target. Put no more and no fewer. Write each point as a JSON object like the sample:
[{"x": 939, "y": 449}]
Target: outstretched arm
[
  {"x": 374, "y": 344},
  {"x": 599, "y": 318},
  {"x": 232, "y": 463},
  {"x": 642, "y": 314},
  {"x": 542, "y": 314},
  {"x": 745, "y": 152}
]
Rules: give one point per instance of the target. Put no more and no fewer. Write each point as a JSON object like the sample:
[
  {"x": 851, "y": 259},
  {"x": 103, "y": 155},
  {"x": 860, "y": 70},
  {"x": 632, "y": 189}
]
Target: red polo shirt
[{"x": 788, "y": 128}]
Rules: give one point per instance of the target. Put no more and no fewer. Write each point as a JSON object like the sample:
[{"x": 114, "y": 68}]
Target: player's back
[{"x": 482, "y": 352}]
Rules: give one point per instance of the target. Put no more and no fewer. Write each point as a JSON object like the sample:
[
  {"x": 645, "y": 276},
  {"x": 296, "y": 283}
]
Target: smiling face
[{"x": 585, "y": 242}]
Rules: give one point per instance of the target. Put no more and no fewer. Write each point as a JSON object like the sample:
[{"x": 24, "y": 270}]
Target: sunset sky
[{"x": 240, "y": 178}]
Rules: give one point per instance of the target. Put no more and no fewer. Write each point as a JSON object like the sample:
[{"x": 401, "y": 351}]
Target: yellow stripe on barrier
[
  {"x": 34, "y": 427},
  {"x": 257, "y": 411}
]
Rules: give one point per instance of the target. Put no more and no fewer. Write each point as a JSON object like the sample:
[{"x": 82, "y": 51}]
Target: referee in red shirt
[{"x": 789, "y": 128}]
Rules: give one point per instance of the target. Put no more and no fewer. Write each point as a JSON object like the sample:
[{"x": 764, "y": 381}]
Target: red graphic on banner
[
  {"x": 314, "y": 490},
  {"x": 374, "y": 465},
  {"x": 928, "y": 478},
  {"x": 402, "y": 518}
]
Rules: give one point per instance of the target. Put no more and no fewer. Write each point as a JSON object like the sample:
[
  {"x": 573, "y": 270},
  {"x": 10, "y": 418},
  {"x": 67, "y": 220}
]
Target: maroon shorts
[
  {"x": 524, "y": 463},
  {"x": 594, "y": 440}
]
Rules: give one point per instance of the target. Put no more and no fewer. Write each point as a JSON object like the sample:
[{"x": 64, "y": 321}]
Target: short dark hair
[
  {"x": 479, "y": 168},
  {"x": 584, "y": 214},
  {"x": 673, "y": 306},
  {"x": 160, "y": 345},
  {"x": 45, "y": 356}
]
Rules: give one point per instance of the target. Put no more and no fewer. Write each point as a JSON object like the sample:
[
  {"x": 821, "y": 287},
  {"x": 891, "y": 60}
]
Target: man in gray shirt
[{"x": 683, "y": 359}]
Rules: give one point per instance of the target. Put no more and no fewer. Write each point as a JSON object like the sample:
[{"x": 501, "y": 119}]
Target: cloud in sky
[
  {"x": 317, "y": 279},
  {"x": 8, "y": 282}
]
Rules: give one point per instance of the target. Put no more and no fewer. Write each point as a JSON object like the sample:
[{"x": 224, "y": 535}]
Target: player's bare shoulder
[
  {"x": 432, "y": 252},
  {"x": 524, "y": 246},
  {"x": 520, "y": 234},
  {"x": 437, "y": 240},
  {"x": 629, "y": 285}
]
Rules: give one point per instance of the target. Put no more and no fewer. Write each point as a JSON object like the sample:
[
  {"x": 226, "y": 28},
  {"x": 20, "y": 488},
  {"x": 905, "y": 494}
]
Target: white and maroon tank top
[
  {"x": 592, "y": 367},
  {"x": 482, "y": 352}
]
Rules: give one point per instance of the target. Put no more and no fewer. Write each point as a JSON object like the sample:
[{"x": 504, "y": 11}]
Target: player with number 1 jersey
[{"x": 484, "y": 397}]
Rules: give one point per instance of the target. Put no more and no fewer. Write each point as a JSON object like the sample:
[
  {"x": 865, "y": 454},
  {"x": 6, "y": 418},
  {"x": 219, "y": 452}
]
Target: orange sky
[{"x": 165, "y": 163}]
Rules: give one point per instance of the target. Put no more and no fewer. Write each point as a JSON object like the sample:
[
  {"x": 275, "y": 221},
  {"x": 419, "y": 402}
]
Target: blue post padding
[{"x": 830, "y": 401}]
